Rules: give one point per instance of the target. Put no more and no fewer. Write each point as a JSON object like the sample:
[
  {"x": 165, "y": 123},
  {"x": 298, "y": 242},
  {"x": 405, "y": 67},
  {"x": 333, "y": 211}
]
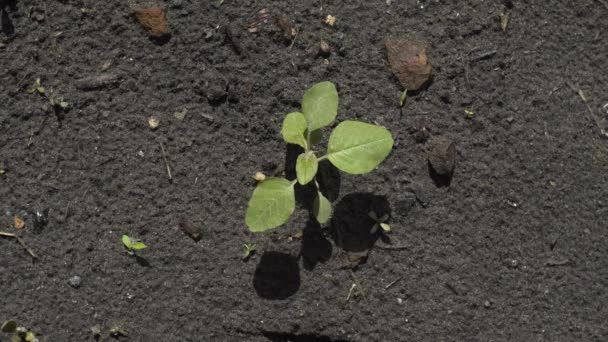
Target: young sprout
[
  {"x": 380, "y": 222},
  {"x": 20, "y": 334},
  {"x": 403, "y": 97},
  {"x": 55, "y": 100},
  {"x": 132, "y": 245},
  {"x": 249, "y": 251},
  {"x": 353, "y": 147},
  {"x": 118, "y": 332}
]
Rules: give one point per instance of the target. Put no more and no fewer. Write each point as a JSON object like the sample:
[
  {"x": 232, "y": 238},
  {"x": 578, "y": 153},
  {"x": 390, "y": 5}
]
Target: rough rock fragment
[
  {"x": 153, "y": 19},
  {"x": 408, "y": 60},
  {"x": 442, "y": 156}
]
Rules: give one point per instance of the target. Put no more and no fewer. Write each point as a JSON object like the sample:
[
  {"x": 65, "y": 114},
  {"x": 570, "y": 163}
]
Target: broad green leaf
[
  {"x": 138, "y": 245},
  {"x": 357, "y": 147},
  {"x": 271, "y": 204},
  {"x": 306, "y": 167},
  {"x": 320, "y": 105},
  {"x": 294, "y": 126},
  {"x": 9, "y": 327},
  {"x": 126, "y": 241},
  {"x": 321, "y": 208}
]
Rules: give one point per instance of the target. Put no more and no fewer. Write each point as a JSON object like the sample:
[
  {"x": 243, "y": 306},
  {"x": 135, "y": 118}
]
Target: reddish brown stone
[
  {"x": 408, "y": 60},
  {"x": 153, "y": 19}
]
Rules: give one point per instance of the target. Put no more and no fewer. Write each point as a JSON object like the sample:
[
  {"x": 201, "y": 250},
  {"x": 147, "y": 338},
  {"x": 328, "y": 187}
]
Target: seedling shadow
[
  {"x": 277, "y": 276},
  {"x": 439, "y": 180},
  {"x": 315, "y": 246},
  {"x": 142, "y": 261},
  {"x": 8, "y": 28},
  {"x": 351, "y": 224}
]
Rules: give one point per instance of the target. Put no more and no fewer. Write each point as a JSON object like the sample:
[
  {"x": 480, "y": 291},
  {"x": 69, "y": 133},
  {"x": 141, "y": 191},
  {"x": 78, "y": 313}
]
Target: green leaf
[
  {"x": 126, "y": 241},
  {"x": 385, "y": 227},
  {"x": 294, "y": 126},
  {"x": 272, "y": 203},
  {"x": 138, "y": 245},
  {"x": 321, "y": 208},
  {"x": 403, "y": 97},
  {"x": 306, "y": 167},
  {"x": 320, "y": 105},
  {"x": 9, "y": 327},
  {"x": 30, "y": 337},
  {"x": 357, "y": 147}
]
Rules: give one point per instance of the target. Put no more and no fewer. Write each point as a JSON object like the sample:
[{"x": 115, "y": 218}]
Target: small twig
[
  {"x": 356, "y": 281},
  {"x": 294, "y": 39},
  {"x": 21, "y": 242},
  {"x": 350, "y": 292},
  {"x": 593, "y": 116},
  {"x": 166, "y": 161},
  {"x": 392, "y": 283}
]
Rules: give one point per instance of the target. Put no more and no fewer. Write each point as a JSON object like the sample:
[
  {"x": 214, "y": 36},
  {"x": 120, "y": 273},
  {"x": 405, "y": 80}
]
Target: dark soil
[{"x": 514, "y": 247}]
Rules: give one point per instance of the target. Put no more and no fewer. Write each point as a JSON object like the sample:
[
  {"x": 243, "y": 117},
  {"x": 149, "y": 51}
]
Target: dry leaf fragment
[
  {"x": 195, "y": 232},
  {"x": 408, "y": 60},
  {"x": 442, "y": 156},
  {"x": 153, "y": 122},
  {"x": 153, "y": 19},
  {"x": 330, "y": 20},
  {"x": 504, "y": 21},
  {"x": 259, "y": 19},
  {"x": 19, "y": 223},
  {"x": 288, "y": 28},
  {"x": 259, "y": 176}
]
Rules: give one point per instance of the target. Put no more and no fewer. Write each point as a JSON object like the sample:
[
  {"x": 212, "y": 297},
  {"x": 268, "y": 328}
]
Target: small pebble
[
  {"x": 487, "y": 304},
  {"x": 442, "y": 156},
  {"x": 75, "y": 282},
  {"x": 399, "y": 301},
  {"x": 324, "y": 49}
]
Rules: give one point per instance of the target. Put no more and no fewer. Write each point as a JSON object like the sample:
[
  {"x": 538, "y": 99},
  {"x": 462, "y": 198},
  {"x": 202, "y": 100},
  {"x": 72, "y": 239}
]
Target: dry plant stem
[
  {"x": 392, "y": 283},
  {"x": 356, "y": 281},
  {"x": 162, "y": 148},
  {"x": 21, "y": 242},
  {"x": 593, "y": 116}
]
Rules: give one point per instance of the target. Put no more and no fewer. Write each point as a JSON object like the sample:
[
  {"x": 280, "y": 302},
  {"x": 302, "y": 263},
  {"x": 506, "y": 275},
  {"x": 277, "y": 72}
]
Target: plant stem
[{"x": 322, "y": 158}]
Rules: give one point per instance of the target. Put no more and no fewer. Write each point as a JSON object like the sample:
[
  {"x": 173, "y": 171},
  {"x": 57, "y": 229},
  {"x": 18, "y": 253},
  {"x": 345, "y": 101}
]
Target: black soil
[{"x": 512, "y": 248}]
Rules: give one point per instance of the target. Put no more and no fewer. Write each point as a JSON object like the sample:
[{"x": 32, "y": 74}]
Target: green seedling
[
  {"x": 380, "y": 222},
  {"x": 403, "y": 98},
  {"x": 117, "y": 332},
  {"x": 354, "y": 147},
  {"x": 249, "y": 250},
  {"x": 55, "y": 100},
  {"x": 20, "y": 334},
  {"x": 132, "y": 245}
]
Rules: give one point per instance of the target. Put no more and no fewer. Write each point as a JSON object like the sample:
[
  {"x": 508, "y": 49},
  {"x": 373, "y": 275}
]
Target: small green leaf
[
  {"x": 373, "y": 216},
  {"x": 40, "y": 89},
  {"x": 126, "y": 241},
  {"x": 30, "y": 337},
  {"x": 306, "y": 167},
  {"x": 385, "y": 227},
  {"x": 403, "y": 97},
  {"x": 138, "y": 245},
  {"x": 320, "y": 105},
  {"x": 294, "y": 126},
  {"x": 272, "y": 203},
  {"x": 357, "y": 147},
  {"x": 321, "y": 208},
  {"x": 64, "y": 104},
  {"x": 9, "y": 327}
]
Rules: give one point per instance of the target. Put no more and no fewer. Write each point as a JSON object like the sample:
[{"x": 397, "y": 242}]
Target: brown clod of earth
[
  {"x": 195, "y": 232},
  {"x": 153, "y": 19},
  {"x": 288, "y": 28},
  {"x": 442, "y": 156},
  {"x": 408, "y": 60}
]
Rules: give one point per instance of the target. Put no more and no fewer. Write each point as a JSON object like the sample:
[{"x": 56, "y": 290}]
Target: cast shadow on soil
[
  {"x": 287, "y": 337},
  {"x": 7, "y": 24},
  {"x": 351, "y": 224},
  {"x": 440, "y": 180},
  {"x": 277, "y": 276}
]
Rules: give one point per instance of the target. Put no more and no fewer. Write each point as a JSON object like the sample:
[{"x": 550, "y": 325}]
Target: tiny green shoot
[
  {"x": 469, "y": 112},
  {"x": 380, "y": 222},
  {"x": 354, "y": 147},
  {"x": 132, "y": 245},
  {"x": 250, "y": 249},
  {"x": 118, "y": 332},
  {"x": 20, "y": 334},
  {"x": 403, "y": 98},
  {"x": 55, "y": 100}
]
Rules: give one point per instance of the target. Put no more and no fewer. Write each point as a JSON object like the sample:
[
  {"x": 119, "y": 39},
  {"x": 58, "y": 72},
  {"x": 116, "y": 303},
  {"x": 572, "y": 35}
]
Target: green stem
[{"x": 322, "y": 158}]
